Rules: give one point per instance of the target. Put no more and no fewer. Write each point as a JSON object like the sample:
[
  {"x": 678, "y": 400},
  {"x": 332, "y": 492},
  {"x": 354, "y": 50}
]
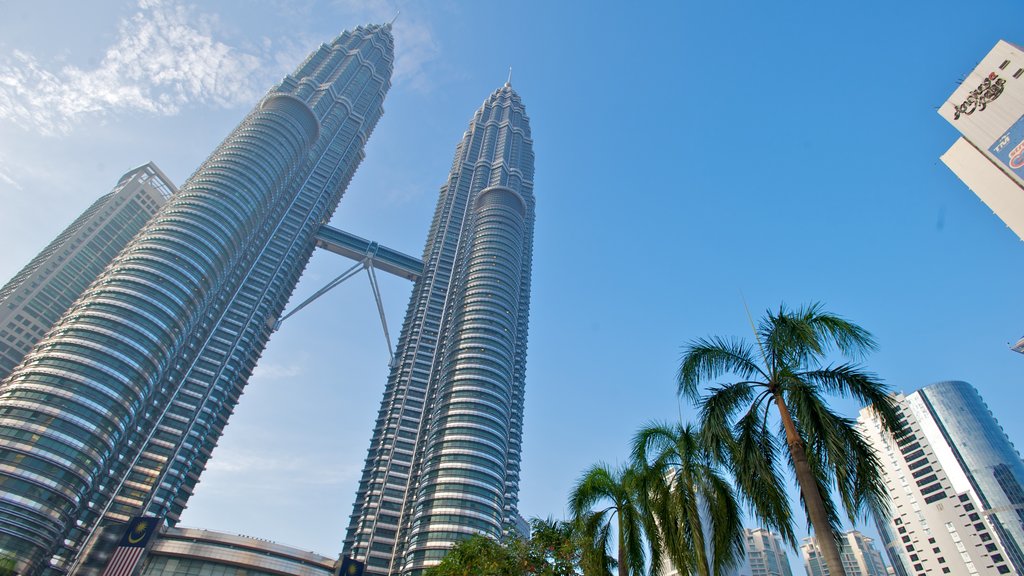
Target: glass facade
[
  {"x": 443, "y": 462},
  {"x": 115, "y": 412},
  {"x": 993, "y": 466},
  {"x": 949, "y": 478},
  {"x": 32, "y": 301},
  {"x": 194, "y": 552}
]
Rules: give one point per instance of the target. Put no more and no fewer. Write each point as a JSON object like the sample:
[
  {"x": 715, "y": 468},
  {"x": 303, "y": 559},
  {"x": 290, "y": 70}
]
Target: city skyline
[{"x": 936, "y": 282}]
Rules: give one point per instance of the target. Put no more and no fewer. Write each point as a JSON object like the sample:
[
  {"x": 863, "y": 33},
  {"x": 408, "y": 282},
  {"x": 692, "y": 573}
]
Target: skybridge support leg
[
  {"x": 380, "y": 308},
  {"x": 330, "y": 285},
  {"x": 367, "y": 264}
]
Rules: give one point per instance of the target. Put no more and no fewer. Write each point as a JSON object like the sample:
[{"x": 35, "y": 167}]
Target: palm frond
[
  {"x": 708, "y": 358},
  {"x": 754, "y": 464},
  {"x": 717, "y": 412}
]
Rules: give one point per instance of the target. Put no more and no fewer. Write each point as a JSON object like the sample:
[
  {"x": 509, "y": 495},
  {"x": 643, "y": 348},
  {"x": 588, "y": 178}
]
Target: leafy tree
[
  {"x": 555, "y": 549},
  {"x": 621, "y": 492},
  {"x": 687, "y": 494},
  {"x": 8, "y": 563},
  {"x": 787, "y": 371},
  {"x": 481, "y": 556}
]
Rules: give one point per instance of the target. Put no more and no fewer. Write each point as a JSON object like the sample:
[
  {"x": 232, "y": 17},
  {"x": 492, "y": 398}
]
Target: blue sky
[{"x": 690, "y": 155}]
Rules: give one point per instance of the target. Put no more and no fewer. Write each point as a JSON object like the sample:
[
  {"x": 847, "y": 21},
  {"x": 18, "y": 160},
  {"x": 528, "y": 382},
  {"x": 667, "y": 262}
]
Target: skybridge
[{"x": 369, "y": 256}]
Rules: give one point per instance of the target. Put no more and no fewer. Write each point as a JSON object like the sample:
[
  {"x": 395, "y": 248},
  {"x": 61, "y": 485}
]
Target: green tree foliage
[
  {"x": 8, "y": 563},
  {"x": 689, "y": 494},
  {"x": 481, "y": 556},
  {"x": 554, "y": 549},
  {"x": 619, "y": 496},
  {"x": 787, "y": 370}
]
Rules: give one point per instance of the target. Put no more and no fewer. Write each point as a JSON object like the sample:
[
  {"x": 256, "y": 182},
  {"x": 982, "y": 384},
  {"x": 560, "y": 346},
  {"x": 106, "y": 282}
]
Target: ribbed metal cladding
[
  {"x": 463, "y": 478},
  {"x": 444, "y": 458},
  {"x": 130, "y": 391}
]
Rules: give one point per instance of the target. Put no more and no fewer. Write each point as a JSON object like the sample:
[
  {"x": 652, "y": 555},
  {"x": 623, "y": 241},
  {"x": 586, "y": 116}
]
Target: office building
[
  {"x": 858, "y": 553},
  {"x": 115, "y": 412},
  {"x": 44, "y": 289},
  {"x": 955, "y": 483},
  {"x": 444, "y": 456},
  {"x": 988, "y": 111},
  {"x": 764, "y": 554}
]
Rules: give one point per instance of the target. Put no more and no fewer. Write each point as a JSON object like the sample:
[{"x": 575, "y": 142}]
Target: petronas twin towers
[{"x": 114, "y": 413}]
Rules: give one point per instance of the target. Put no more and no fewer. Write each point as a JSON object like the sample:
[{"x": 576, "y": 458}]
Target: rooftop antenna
[
  {"x": 395, "y": 18},
  {"x": 509, "y": 81}
]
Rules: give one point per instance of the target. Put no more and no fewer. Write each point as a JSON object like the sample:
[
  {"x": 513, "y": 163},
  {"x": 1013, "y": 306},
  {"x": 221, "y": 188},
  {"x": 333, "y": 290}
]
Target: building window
[{"x": 1004, "y": 64}]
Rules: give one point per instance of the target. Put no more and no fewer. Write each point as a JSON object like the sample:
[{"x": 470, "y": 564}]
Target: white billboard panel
[{"x": 988, "y": 109}]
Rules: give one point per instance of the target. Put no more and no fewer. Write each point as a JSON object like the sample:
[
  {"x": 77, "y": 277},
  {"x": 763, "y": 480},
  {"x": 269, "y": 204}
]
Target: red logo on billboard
[{"x": 1017, "y": 157}]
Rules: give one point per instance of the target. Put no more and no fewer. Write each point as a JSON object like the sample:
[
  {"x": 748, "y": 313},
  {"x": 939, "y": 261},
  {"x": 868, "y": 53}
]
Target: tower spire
[
  {"x": 509, "y": 81},
  {"x": 397, "y": 12}
]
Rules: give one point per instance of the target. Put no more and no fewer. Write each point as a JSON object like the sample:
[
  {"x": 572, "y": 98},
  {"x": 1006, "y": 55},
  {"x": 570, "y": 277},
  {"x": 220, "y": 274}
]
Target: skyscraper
[
  {"x": 955, "y": 482},
  {"x": 858, "y": 552},
  {"x": 37, "y": 295},
  {"x": 765, "y": 554},
  {"x": 443, "y": 462},
  {"x": 116, "y": 411}
]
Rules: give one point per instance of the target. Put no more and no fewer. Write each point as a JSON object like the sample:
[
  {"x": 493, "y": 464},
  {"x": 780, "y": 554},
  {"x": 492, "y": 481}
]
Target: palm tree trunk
[
  {"x": 812, "y": 497},
  {"x": 623, "y": 566}
]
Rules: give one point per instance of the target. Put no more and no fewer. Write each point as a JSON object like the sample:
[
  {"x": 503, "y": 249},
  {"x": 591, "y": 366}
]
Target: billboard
[
  {"x": 988, "y": 108},
  {"x": 1009, "y": 149}
]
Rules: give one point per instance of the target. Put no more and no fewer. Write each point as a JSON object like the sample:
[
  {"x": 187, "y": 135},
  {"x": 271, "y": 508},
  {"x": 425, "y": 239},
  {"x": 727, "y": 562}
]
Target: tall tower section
[
  {"x": 32, "y": 301},
  {"x": 444, "y": 458},
  {"x": 116, "y": 411}
]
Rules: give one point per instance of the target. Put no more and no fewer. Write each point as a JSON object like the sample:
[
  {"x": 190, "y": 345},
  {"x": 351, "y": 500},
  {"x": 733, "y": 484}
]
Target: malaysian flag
[{"x": 131, "y": 547}]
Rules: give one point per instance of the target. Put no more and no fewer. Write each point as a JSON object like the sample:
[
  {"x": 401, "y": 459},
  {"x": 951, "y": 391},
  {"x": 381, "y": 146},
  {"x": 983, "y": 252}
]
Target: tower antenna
[
  {"x": 395, "y": 18},
  {"x": 509, "y": 81}
]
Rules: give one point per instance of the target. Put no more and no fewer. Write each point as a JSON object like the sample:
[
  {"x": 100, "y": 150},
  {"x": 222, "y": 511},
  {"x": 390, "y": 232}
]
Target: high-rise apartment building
[
  {"x": 956, "y": 485},
  {"x": 858, "y": 553},
  {"x": 444, "y": 457},
  {"x": 765, "y": 554},
  {"x": 44, "y": 289},
  {"x": 988, "y": 111},
  {"x": 114, "y": 413}
]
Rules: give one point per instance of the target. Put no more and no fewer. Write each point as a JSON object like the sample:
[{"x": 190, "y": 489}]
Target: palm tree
[
  {"x": 621, "y": 491},
  {"x": 686, "y": 491},
  {"x": 825, "y": 450}
]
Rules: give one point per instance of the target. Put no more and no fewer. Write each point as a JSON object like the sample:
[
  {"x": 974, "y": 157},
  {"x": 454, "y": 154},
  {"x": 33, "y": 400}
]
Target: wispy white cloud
[
  {"x": 6, "y": 179},
  {"x": 272, "y": 371},
  {"x": 286, "y": 470},
  {"x": 166, "y": 56},
  {"x": 415, "y": 44}
]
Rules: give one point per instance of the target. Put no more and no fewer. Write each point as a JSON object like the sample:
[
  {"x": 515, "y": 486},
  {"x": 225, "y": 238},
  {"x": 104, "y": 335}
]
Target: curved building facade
[
  {"x": 955, "y": 484},
  {"x": 196, "y": 552},
  {"x": 993, "y": 466},
  {"x": 114, "y": 413},
  {"x": 37, "y": 296},
  {"x": 444, "y": 458}
]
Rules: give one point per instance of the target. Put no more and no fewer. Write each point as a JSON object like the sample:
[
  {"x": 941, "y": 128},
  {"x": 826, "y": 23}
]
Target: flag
[
  {"x": 131, "y": 547},
  {"x": 350, "y": 567}
]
